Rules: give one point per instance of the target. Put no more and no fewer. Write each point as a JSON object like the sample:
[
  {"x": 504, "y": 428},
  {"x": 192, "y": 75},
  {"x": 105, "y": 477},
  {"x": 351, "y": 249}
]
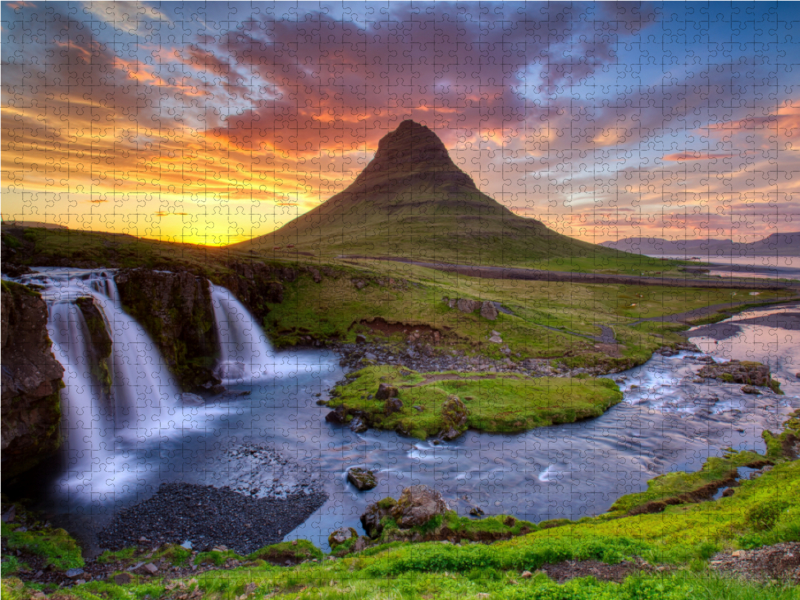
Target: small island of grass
[{"x": 446, "y": 404}]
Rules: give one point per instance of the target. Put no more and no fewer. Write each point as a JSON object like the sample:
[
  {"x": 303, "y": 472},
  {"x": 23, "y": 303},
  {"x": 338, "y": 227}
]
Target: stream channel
[{"x": 115, "y": 456}]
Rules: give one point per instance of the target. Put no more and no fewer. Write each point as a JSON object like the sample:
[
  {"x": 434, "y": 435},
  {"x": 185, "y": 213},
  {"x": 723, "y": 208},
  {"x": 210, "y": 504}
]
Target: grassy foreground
[{"x": 497, "y": 403}]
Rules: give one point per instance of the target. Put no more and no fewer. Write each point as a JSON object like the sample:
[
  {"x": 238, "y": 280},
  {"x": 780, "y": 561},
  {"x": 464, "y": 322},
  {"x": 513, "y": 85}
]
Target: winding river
[{"x": 667, "y": 421}]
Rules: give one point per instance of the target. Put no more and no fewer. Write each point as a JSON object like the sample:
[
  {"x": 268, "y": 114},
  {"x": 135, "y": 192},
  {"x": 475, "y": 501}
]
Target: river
[{"x": 667, "y": 421}]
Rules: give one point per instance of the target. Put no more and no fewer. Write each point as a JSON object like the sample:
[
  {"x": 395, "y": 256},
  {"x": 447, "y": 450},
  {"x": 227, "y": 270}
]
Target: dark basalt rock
[
  {"x": 100, "y": 343},
  {"x": 385, "y": 392},
  {"x": 337, "y": 416},
  {"x": 31, "y": 381},
  {"x": 176, "y": 311},
  {"x": 257, "y": 284},
  {"x": 393, "y": 405}
]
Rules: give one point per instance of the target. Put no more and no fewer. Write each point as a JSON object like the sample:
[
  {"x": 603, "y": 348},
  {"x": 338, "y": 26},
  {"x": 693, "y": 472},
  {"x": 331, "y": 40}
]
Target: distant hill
[
  {"x": 413, "y": 201},
  {"x": 777, "y": 244},
  {"x": 36, "y": 224}
]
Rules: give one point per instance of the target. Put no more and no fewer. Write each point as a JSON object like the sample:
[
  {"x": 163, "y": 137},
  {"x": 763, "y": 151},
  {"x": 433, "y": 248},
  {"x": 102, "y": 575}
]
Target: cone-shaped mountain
[{"x": 413, "y": 201}]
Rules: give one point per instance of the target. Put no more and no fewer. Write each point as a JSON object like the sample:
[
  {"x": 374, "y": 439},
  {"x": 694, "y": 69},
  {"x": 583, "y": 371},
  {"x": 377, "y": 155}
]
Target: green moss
[
  {"x": 216, "y": 557},
  {"x": 784, "y": 445},
  {"x": 500, "y": 403},
  {"x": 10, "y": 565},
  {"x": 11, "y": 287},
  {"x": 110, "y": 556},
  {"x": 550, "y": 523},
  {"x": 55, "y": 546},
  {"x": 294, "y": 551}
]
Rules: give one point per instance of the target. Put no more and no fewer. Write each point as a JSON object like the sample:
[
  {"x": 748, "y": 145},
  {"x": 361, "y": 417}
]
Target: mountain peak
[{"x": 413, "y": 150}]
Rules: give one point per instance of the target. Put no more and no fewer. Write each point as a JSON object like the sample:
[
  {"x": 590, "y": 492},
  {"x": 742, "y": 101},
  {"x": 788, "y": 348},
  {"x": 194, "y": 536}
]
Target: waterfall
[
  {"x": 245, "y": 353},
  {"x": 143, "y": 396},
  {"x": 86, "y": 422}
]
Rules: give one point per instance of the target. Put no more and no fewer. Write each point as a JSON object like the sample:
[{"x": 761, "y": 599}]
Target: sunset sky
[{"x": 214, "y": 122}]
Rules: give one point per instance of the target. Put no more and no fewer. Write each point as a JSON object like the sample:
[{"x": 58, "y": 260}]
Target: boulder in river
[
  {"x": 362, "y": 479},
  {"x": 188, "y": 399},
  {"x": 357, "y": 425},
  {"x": 337, "y": 416}
]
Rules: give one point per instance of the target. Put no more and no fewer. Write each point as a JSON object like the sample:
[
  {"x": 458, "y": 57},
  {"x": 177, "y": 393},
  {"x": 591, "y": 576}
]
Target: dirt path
[{"x": 572, "y": 277}]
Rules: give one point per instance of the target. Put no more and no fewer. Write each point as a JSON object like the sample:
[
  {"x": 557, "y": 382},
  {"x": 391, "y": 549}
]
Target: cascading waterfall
[
  {"x": 245, "y": 353},
  {"x": 87, "y": 423},
  {"x": 142, "y": 396},
  {"x": 110, "y": 432}
]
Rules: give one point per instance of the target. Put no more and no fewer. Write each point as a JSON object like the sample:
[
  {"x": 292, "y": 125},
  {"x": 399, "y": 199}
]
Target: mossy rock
[
  {"x": 294, "y": 552},
  {"x": 362, "y": 479},
  {"x": 343, "y": 535}
]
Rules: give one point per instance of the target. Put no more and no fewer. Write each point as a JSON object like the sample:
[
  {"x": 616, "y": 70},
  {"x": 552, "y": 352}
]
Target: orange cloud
[{"x": 696, "y": 155}]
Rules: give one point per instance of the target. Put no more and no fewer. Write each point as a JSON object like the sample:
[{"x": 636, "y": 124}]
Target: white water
[
  {"x": 99, "y": 427},
  {"x": 245, "y": 353},
  {"x": 87, "y": 423}
]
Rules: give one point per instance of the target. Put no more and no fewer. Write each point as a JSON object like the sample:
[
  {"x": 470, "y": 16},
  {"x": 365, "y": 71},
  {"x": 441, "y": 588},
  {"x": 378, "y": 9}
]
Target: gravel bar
[{"x": 209, "y": 517}]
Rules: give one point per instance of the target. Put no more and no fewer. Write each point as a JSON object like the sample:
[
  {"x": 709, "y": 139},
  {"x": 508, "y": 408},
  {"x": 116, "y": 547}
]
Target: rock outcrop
[
  {"x": 176, "y": 311},
  {"x": 488, "y": 310},
  {"x": 257, "y": 284},
  {"x": 454, "y": 415},
  {"x": 31, "y": 381},
  {"x": 100, "y": 343},
  {"x": 417, "y": 505},
  {"x": 741, "y": 372},
  {"x": 341, "y": 536}
]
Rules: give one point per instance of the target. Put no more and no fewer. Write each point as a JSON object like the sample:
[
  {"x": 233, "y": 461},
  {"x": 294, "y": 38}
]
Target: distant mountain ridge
[
  {"x": 777, "y": 244},
  {"x": 413, "y": 201}
]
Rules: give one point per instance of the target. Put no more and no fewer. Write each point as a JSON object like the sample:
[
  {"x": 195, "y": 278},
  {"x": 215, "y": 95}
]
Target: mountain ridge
[{"x": 780, "y": 244}]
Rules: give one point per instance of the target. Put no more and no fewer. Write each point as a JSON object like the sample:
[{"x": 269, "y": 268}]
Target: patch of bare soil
[
  {"x": 569, "y": 569},
  {"x": 780, "y": 562},
  {"x": 416, "y": 332}
]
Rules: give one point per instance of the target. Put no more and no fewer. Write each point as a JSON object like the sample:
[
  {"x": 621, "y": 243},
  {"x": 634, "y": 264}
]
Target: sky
[{"x": 215, "y": 122}]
